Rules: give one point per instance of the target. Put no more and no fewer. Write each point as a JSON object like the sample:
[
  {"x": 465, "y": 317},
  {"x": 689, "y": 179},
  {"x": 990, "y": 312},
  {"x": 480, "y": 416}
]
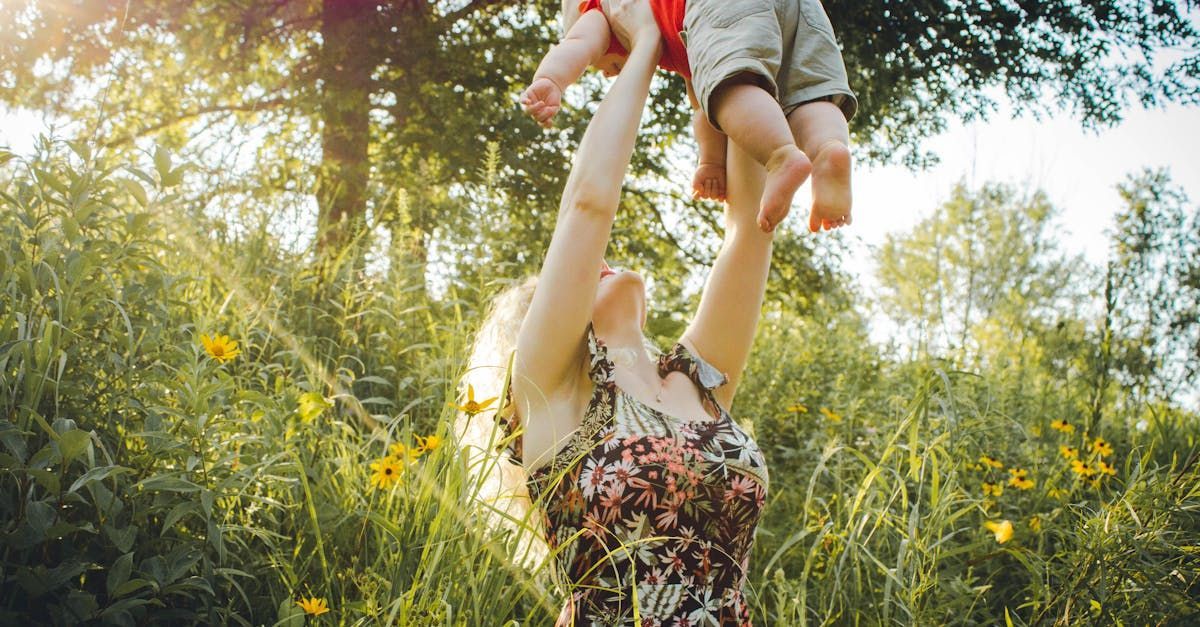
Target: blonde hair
[{"x": 498, "y": 483}]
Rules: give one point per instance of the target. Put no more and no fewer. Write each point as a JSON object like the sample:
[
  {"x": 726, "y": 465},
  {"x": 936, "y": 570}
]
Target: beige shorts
[{"x": 786, "y": 45}]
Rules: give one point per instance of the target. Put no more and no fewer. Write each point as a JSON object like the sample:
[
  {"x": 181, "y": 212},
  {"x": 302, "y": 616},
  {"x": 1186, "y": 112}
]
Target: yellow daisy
[
  {"x": 1105, "y": 469},
  {"x": 831, "y": 415},
  {"x": 1002, "y": 529},
  {"x": 992, "y": 489},
  {"x": 1101, "y": 447},
  {"x": 1062, "y": 425},
  {"x": 1019, "y": 479},
  {"x": 429, "y": 443},
  {"x": 385, "y": 473},
  {"x": 220, "y": 347},
  {"x": 403, "y": 454},
  {"x": 1068, "y": 452},
  {"x": 313, "y": 606},
  {"x": 988, "y": 460},
  {"x": 472, "y": 407},
  {"x": 797, "y": 409},
  {"x": 1082, "y": 468}
]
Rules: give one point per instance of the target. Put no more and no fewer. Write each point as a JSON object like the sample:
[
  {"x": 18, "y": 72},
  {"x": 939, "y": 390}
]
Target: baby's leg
[
  {"x": 820, "y": 129},
  {"x": 752, "y": 119}
]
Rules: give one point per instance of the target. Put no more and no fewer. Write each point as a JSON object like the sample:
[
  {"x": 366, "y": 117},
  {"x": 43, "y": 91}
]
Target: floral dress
[{"x": 650, "y": 509}]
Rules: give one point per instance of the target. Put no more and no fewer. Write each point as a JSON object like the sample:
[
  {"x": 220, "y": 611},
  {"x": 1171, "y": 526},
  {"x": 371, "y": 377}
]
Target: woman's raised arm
[
  {"x": 551, "y": 341},
  {"x": 722, "y": 332}
]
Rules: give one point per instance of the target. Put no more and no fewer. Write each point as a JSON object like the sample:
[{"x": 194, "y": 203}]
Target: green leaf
[
  {"x": 118, "y": 575},
  {"x": 168, "y": 483},
  {"x": 121, "y": 538},
  {"x": 5, "y": 156},
  {"x": 136, "y": 190},
  {"x": 72, "y": 444},
  {"x": 162, "y": 162},
  {"x": 175, "y": 177},
  {"x": 97, "y": 474}
]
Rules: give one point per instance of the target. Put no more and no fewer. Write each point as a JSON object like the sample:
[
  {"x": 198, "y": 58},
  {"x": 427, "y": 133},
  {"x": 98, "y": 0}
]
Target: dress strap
[{"x": 703, "y": 374}]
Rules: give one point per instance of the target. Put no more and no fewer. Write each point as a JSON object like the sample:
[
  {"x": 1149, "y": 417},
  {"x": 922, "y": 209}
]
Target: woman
[{"x": 649, "y": 489}]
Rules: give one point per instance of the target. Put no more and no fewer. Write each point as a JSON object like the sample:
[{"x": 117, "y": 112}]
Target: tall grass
[{"x": 143, "y": 481}]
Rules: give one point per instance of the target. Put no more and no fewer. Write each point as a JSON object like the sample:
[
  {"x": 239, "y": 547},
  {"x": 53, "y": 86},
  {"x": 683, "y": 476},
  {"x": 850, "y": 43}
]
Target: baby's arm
[
  {"x": 709, "y": 181},
  {"x": 586, "y": 41}
]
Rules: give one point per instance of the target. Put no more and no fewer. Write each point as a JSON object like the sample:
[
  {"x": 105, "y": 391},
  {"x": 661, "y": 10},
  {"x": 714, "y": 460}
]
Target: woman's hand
[{"x": 631, "y": 21}]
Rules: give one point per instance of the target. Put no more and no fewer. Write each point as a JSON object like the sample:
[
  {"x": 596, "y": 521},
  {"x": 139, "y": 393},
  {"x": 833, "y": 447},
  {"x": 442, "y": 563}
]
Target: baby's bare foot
[
  {"x": 830, "y": 187},
  {"x": 787, "y": 169}
]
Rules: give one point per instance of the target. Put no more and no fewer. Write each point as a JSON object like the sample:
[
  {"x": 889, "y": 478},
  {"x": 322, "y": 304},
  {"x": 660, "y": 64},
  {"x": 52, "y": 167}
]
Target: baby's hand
[
  {"x": 541, "y": 100},
  {"x": 709, "y": 181}
]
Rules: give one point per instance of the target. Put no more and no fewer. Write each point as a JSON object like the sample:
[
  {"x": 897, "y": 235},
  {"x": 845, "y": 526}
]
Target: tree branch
[{"x": 259, "y": 105}]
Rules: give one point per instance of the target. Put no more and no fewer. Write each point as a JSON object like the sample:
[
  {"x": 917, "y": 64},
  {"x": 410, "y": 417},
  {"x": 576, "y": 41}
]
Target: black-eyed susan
[
  {"x": 385, "y": 473},
  {"x": 1003, "y": 530},
  {"x": 1105, "y": 468},
  {"x": 1062, "y": 425},
  {"x": 992, "y": 489},
  {"x": 220, "y": 347},
  {"x": 471, "y": 406},
  {"x": 1056, "y": 493},
  {"x": 1068, "y": 452},
  {"x": 988, "y": 460},
  {"x": 1019, "y": 478},
  {"x": 428, "y": 443},
  {"x": 404, "y": 454},
  {"x": 830, "y": 415},
  {"x": 1101, "y": 447},
  {"x": 797, "y": 408},
  {"x": 313, "y": 606},
  {"x": 1082, "y": 468}
]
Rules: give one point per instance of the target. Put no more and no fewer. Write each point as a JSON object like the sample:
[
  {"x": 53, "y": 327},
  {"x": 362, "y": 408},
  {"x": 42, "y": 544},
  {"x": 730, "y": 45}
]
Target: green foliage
[{"x": 145, "y": 481}]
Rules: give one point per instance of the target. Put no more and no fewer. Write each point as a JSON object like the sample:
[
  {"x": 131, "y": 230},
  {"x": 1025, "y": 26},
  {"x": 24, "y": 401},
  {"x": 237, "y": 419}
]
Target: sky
[{"x": 1078, "y": 170}]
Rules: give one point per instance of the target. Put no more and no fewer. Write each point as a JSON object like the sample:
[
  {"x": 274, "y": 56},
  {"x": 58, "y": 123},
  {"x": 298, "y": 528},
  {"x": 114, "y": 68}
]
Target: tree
[
  {"x": 1153, "y": 304},
  {"x": 985, "y": 263},
  {"x": 351, "y": 101}
]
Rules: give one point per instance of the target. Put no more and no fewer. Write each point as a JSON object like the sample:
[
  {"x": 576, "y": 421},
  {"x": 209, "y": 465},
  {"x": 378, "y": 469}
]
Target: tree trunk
[{"x": 346, "y": 67}]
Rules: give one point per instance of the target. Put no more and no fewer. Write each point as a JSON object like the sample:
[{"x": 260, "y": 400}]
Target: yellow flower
[
  {"x": 401, "y": 453},
  {"x": 831, "y": 415},
  {"x": 311, "y": 405},
  {"x": 386, "y": 472},
  {"x": 313, "y": 606},
  {"x": 220, "y": 347},
  {"x": 472, "y": 407},
  {"x": 1082, "y": 468},
  {"x": 1062, "y": 425},
  {"x": 1105, "y": 468},
  {"x": 1068, "y": 452},
  {"x": 1055, "y": 493},
  {"x": 1019, "y": 479},
  {"x": 1101, "y": 447},
  {"x": 1002, "y": 529},
  {"x": 797, "y": 409},
  {"x": 1035, "y": 523},
  {"x": 992, "y": 489},
  {"x": 988, "y": 460},
  {"x": 429, "y": 443}
]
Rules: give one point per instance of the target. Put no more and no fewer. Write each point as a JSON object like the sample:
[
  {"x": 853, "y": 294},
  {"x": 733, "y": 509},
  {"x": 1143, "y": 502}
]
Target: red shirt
[{"x": 669, "y": 15}]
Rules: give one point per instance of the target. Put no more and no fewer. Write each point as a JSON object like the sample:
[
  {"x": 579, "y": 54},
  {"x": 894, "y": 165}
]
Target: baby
[{"x": 767, "y": 73}]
